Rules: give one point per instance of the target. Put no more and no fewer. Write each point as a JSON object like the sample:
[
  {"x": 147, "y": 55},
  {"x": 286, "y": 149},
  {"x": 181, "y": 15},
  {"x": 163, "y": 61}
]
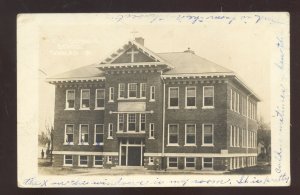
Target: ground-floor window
[
  {"x": 173, "y": 162},
  {"x": 151, "y": 160},
  {"x": 83, "y": 161},
  {"x": 109, "y": 160},
  {"x": 207, "y": 163},
  {"x": 98, "y": 161},
  {"x": 68, "y": 160},
  {"x": 190, "y": 162}
]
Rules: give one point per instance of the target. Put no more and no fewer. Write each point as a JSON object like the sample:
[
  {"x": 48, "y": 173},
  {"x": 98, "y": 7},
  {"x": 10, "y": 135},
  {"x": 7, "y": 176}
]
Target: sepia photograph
[{"x": 150, "y": 100}]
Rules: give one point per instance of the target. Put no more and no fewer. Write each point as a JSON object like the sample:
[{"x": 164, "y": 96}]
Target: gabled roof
[{"x": 189, "y": 63}]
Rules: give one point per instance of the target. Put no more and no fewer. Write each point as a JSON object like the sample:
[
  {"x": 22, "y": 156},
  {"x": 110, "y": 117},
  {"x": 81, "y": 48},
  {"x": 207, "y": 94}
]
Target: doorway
[{"x": 131, "y": 152}]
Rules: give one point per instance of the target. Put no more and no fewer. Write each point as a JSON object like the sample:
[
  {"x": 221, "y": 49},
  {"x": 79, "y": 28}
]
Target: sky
[{"x": 244, "y": 48}]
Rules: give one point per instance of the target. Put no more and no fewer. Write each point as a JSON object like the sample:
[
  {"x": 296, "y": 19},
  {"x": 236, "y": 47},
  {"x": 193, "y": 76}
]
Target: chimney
[
  {"x": 189, "y": 51},
  {"x": 140, "y": 40}
]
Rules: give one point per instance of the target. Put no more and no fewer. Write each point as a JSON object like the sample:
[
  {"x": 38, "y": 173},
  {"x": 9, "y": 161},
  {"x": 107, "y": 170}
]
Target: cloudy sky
[{"x": 244, "y": 47}]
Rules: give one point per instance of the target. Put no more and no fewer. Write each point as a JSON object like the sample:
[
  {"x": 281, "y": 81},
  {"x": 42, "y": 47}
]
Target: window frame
[
  {"x": 168, "y": 164},
  {"x": 128, "y": 91},
  {"x": 118, "y": 127},
  {"x": 212, "y": 163},
  {"x": 140, "y": 122},
  {"x": 213, "y": 98},
  {"x": 80, "y": 134},
  {"x": 119, "y": 91},
  {"x": 186, "y": 97},
  {"x": 94, "y": 161},
  {"x": 110, "y": 131},
  {"x": 95, "y": 134},
  {"x": 173, "y": 144},
  {"x": 65, "y": 138},
  {"x": 207, "y": 144},
  {"x": 81, "y": 99},
  {"x": 169, "y": 98},
  {"x": 111, "y": 95},
  {"x": 185, "y": 133},
  {"x": 66, "y": 103},
  {"x": 68, "y": 165},
  {"x": 152, "y": 93},
  {"x": 96, "y": 98},
  {"x": 185, "y": 163},
  {"x": 143, "y": 90},
  {"x": 128, "y": 119},
  {"x": 151, "y": 130},
  {"x": 79, "y": 161}
]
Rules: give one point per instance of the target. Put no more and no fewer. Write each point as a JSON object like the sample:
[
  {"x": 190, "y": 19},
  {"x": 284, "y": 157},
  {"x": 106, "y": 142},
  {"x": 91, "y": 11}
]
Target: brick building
[{"x": 154, "y": 110}]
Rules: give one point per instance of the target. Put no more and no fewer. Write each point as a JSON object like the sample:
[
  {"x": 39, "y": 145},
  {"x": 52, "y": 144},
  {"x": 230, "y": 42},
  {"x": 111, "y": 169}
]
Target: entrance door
[{"x": 134, "y": 156}]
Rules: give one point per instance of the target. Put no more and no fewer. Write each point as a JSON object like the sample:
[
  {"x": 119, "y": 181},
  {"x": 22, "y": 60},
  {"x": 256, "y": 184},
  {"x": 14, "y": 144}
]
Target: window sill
[
  {"x": 83, "y": 144},
  {"x": 66, "y": 165},
  {"x": 69, "y": 108},
  {"x": 110, "y": 138},
  {"x": 110, "y": 101},
  {"x": 84, "y": 109},
  {"x": 208, "y": 107},
  {"x": 207, "y": 145},
  {"x": 173, "y": 108},
  {"x": 190, "y": 107},
  {"x": 82, "y": 165},
  {"x": 99, "y": 108},
  {"x": 132, "y": 98},
  {"x": 69, "y": 144},
  {"x": 172, "y": 144},
  {"x": 98, "y": 144},
  {"x": 151, "y": 138},
  {"x": 194, "y": 145},
  {"x": 151, "y": 100}
]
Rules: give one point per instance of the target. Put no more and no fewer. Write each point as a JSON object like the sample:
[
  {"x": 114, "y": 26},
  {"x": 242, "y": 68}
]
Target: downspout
[
  {"x": 163, "y": 129},
  {"x": 247, "y": 125}
]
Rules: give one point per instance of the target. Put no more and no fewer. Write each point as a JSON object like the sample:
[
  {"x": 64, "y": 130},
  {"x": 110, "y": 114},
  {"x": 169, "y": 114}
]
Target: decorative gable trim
[{"x": 60, "y": 80}]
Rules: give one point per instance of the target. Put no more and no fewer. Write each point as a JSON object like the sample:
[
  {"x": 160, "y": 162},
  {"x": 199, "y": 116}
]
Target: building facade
[{"x": 158, "y": 111}]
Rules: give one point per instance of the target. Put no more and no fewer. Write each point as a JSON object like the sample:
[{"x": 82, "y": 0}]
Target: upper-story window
[
  {"x": 207, "y": 136},
  {"x": 111, "y": 94},
  {"x": 190, "y": 101},
  {"x": 69, "y": 134},
  {"x": 142, "y": 122},
  {"x": 131, "y": 122},
  {"x": 70, "y": 99},
  {"x": 121, "y": 120},
  {"x": 85, "y": 99},
  {"x": 84, "y": 134},
  {"x": 151, "y": 131},
  {"x": 99, "y": 134},
  {"x": 110, "y": 130},
  {"x": 100, "y": 95},
  {"x": 143, "y": 90},
  {"x": 173, "y": 134},
  {"x": 190, "y": 134},
  {"x": 152, "y": 93},
  {"x": 208, "y": 96},
  {"x": 132, "y": 90},
  {"x": 173, "y": 97},
  {"x": 121, "y": 90}
]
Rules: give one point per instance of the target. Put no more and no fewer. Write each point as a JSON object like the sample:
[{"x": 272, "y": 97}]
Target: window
[
  {"x": 84, "y": 134},
  {"x": 173, "y": 97},
  {"x": 111, "y": 94},
  {"x": 109, "y": 160},
  {"x": 99, "y": 134},
  {"x": 151, "y": 130},
  {"x": 143, "y": 90},
  {"x": 231, "y": 135},
  {"x": 190, "y": 100},
  {"x": 238, "y": 103},
  {"x": 207, "y": 163},
  {"x": 69, "y": 136},
  {"x": 132, "y": 90},
  {"x": 142, "y": 122},
  {"x": 98, "y": 161},
  {"x": 151, "y": 160},
  {"x": 237, "y": 136},
  {"x": 208, "y": 96},
  {"x": 190, "y": 162},
  {"x": 207, "y": 134},
  {"x": 172, "y": 162},
  {"x": 190, "y": 134},
  {"x": 121, "y": 90},
  {"x": 100, "y": 95},
  {"x": 121, "y": 122},
  {"x": 110, "y": 131},
  {"x": 231, "y": 100},
  {"x": 173, "y": 135},
  {"x": 131, "y": 122},
  {"x": 83, "y": 161},
  {"x": 152, "y": 93},
  {"x": 70, "y": 99},
  {"x": 68, "y": 161},
  {"x": 85, "y": 99}
]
